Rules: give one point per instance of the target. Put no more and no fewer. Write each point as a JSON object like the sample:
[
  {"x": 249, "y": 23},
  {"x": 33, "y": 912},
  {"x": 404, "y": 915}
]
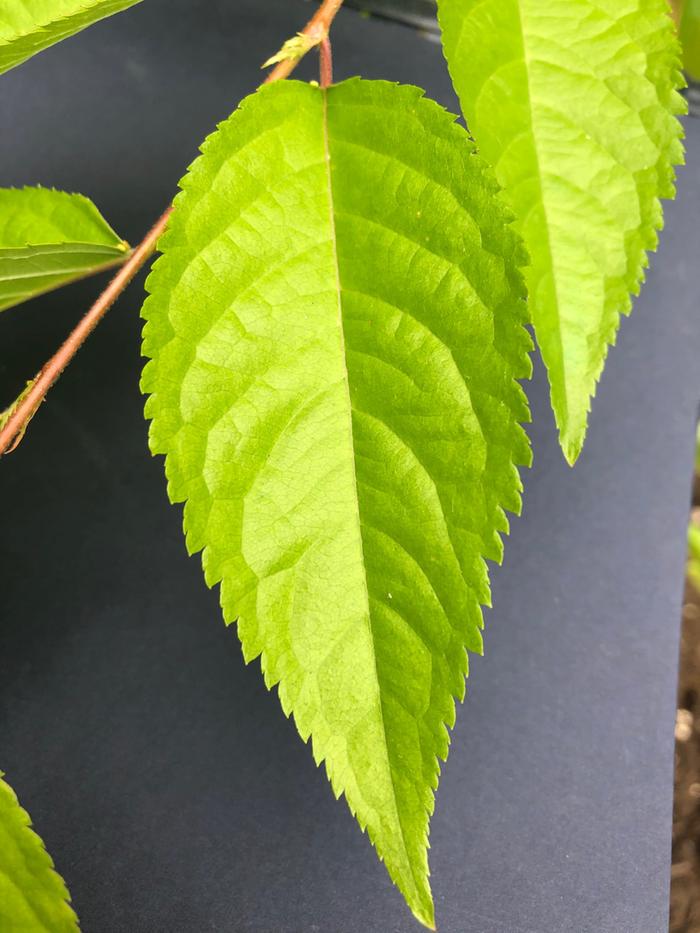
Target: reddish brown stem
[
  {"x": 326, "y": 62},
  {"x": 50, "y": 372},
  {"x": 30, "y": 400}
]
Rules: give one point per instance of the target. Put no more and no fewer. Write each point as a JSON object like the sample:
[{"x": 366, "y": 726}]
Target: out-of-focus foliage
[
  {"x": 693, "y": 568},
  {"x": 688, "y": 18}
]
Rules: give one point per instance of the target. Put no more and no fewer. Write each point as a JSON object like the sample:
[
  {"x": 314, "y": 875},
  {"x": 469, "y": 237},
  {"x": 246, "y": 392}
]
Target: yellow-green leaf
[
  {"x": 573, "y": 102},
  {"x": 335, "y": 332},
  {"x": 33, "y": 897},
  {"x": 50, "y": 238},
  {"x": 29, "y": 26}
]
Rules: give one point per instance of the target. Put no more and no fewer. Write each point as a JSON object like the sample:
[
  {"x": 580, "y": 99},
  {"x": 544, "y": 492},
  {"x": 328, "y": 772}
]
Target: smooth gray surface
[{"x": 170, "y": 789}]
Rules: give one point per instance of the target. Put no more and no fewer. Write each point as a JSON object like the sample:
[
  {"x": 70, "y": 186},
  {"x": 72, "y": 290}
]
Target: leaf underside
[
  {"x": 33, "y": 897},
  {"x": 573, "y": 102},
  {"x": 48, "y": 239},
  {"x": 335, "y": 330},
  {"x": 30, "y": 26}
]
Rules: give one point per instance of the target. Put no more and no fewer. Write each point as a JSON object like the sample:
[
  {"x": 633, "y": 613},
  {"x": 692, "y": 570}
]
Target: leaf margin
[{"x": 44, "y": 867}]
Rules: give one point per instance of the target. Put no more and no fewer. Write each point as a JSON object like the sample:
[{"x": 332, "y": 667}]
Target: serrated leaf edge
[{"x": 26, "y": 825}]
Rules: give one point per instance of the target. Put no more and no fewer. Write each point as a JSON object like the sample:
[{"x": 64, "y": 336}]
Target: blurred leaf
[
  {"x": 690, "y": 38},
  {"x": 693, "y": 567}
]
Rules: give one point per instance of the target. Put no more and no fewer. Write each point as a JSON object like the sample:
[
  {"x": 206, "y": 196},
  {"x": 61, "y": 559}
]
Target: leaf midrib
[
  {"x": 349, "y": 409},
  {"x": 546, "y": 238}
]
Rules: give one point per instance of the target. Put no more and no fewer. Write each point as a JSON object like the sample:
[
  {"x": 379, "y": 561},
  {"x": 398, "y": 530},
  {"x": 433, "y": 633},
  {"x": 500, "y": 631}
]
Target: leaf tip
[
  {"x": 425, "y": 914},
  {"x": 572, "y": 447}
]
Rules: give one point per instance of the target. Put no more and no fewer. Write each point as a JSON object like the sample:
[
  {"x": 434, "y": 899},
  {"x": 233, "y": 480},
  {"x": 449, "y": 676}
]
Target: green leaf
[
  {"x": 335, "y": 329},
  {"x": 693, "y": 564},
  {"x": 573, "y": 102},
  {"x": 30, "y": 26},
  {"x": 33, "y": 897},
  {"x": 50, "y": 238},
  {"x": 690, "y": 38}
]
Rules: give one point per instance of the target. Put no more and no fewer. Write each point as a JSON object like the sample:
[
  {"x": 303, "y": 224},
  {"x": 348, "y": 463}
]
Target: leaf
[
  {"x": 690, "y": 38},
  {"x": 50, "y": 238},
  {"x": 8, "y": 412},
  {"x": 30, "y": 26},
  {"x": 33, "y": 897},
  {"x": 573, "y": 102},
  {"x": 693, "y": 563},
  {"x": 335, "y": 329}
]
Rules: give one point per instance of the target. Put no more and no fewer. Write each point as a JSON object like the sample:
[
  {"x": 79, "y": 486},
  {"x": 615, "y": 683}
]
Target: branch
[{"x": 14, "y": 421}]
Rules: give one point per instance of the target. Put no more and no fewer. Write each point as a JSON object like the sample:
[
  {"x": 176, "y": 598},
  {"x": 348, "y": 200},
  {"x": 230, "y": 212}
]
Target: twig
[{"x": 15, "y": 421}]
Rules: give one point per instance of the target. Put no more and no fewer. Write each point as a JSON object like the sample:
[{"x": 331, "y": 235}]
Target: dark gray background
[{"x": 172, "y": 792}]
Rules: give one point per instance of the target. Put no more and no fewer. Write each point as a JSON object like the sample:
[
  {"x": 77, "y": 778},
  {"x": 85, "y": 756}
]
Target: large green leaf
[
  {"x": 50, "y": 238},
  {"x": 573, "y": 102},
  {"x": 29, "y": 26},
  {"x": 33, "y": 897},
  {"x": 335, "y": 330}
]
